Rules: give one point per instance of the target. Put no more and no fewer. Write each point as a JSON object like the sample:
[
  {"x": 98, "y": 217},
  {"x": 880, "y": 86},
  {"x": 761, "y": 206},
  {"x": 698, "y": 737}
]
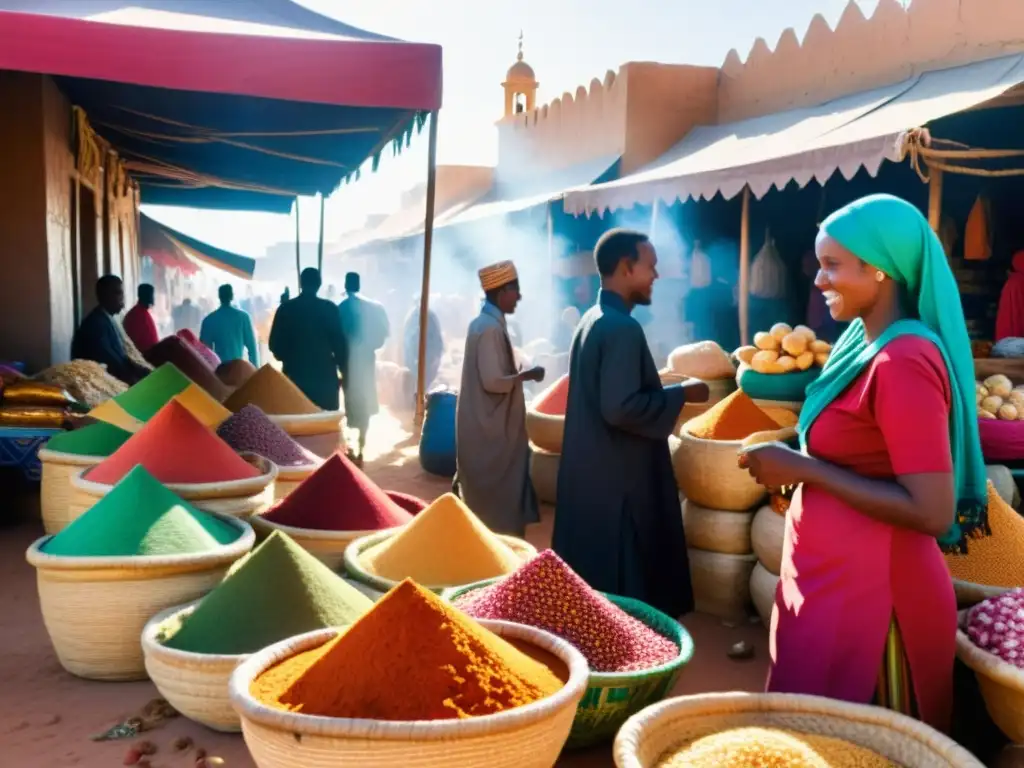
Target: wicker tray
[
  {"x": 55, "y": 489},
  {"x": 94, "y": 608},
  {"x": 531, "y": 736},
  {"x": 354, "y": 568},
  {"x": 1001, "y": 684},
  {"x": 911, "y": 744},
  {"x": 612, "y": 697}
]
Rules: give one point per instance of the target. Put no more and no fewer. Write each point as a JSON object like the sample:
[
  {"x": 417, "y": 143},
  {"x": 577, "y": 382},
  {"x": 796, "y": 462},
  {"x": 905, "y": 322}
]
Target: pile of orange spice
[
  {"x": 411, "y": 657},
  {"x": 734, "y": 418},
  {"x": 996, "y": 560}
]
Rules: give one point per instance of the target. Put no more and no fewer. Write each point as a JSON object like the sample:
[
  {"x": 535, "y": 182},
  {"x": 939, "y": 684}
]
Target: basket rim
[
  {"x": 611, "y": 679},
  {"x": 358, "y": 546},
  {"x": 297, "y": 471},
  {"x": 683, "y": 434},
  {"x": 986, "y": 589},
  {"x": 250, "y": 709},
  {"x": 153, "y": 647},
  {"x": 668, "y": 372},
  {"x": 981, "y": 662},
  {"x": 263, "y": 524},
  {"x": 541, "y": 416},
  {"x": 332, "y": 417},
  {"x": 71, "y": 459},
  {"x": 226, "y": 553},
  {"x": 678, "y": 708},
  {"x": 261, "y": 481},
  {"x": 537, "y": 449},
  {"x": 749, "y": 557}
]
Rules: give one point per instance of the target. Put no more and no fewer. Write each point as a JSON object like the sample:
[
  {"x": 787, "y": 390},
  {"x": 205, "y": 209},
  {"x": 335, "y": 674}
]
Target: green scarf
[{"x": 891, "y": 235}]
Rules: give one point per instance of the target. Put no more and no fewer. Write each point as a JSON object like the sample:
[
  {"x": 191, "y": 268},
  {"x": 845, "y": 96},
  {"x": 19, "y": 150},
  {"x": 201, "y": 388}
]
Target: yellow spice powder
[{"x": 996, "y": 560}]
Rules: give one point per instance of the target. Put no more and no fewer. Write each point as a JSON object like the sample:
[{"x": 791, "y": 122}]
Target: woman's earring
[{"x": 879, "y": 276}]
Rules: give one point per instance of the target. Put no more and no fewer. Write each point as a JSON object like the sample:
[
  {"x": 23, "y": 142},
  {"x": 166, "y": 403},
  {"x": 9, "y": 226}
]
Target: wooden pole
[
  {"x": 298, "y": 249},
  {"x": 935, "y": 199},
  {"x": 428, "y": 242},
  {"x": 744, "y": 287},
  {"x": 320, "y": 245}
]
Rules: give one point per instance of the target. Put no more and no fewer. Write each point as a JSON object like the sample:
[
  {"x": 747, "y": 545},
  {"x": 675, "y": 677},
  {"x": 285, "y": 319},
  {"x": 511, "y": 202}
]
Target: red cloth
[
  {"x": 141, "y": 328},
  {"x": 204, "y": 351},
  {"x": 1001, "y": 440},
  {"x": 1010, "y": 319},
  {"x": 843, "y": 573}
]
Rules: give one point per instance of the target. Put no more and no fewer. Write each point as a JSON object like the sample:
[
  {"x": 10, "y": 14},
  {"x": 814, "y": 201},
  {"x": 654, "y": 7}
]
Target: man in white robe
[{"x": 493, "y": 452}]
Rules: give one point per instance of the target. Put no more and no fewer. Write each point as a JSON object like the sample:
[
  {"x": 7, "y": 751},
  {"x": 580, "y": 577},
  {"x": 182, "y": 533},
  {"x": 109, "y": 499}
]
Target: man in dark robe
[
  {"x": 98, "y": 337},
  {"x": 618, "y": 522},
  {"x": 365, "y": 325},
  {"x": 307, "y": 338}
]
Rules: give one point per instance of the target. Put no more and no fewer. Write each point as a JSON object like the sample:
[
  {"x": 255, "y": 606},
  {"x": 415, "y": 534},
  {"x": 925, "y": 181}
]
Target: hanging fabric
[
  {"x": 978, "y": 234},
  {"x": 700, "y": 267},
  {"x": 768, "y": 272}
]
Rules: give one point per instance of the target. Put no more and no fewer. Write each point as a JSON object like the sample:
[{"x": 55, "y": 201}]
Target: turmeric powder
[
  {"x": 771, "y": 748},
  {"x": 996, "y": 560},
  {"x": 411, "y": 657},
  {"x": 734, "y": 418}
]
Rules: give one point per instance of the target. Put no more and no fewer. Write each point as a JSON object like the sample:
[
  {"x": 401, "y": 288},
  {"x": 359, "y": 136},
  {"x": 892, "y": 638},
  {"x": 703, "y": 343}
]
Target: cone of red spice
[
  {"x": 175, "y": 448},
  {"x": 554, "y": 400},
  {"x": 338, "y": 497},
  {"x": 546, "y": 593}
]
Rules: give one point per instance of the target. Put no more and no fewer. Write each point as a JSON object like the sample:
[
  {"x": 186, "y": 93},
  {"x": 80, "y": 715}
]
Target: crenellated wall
[
  {"x": 636, "y": 113},
  {"x": 863, "y": 53}
]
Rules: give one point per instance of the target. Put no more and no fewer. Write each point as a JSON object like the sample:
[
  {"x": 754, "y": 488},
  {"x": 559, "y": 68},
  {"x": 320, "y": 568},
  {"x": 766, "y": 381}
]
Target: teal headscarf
[{"x": 891, "y": 235}]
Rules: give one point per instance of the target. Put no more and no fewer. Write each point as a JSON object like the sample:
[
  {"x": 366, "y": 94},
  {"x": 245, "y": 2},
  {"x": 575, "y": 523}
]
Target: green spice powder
[{"x": 99, "y": 439}]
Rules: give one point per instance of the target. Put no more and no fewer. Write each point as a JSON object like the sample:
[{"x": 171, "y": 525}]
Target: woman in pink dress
[{"x": 891, "y": 462}]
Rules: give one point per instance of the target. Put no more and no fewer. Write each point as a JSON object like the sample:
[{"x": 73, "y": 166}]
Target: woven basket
[
  {"x": 544, "y": 474},
  {"x": 767, "y": 534},
  {"x": 647, "y": 736},
  {"x": 354, "y": 568},
  {"x": 306, "y": 424},
  {"x": 721, "y": 583},
  {"x": 326, "y": 546},
  {"x": 235, "y": 498},
  {"x": 288, "y": 478},
  {"x": 708, "y": 474},
  {"x": 95, "y": 608},
  {"x": 531, "y": 736},
  {"x": 789, "y": 405},
  {"x": 718, "y": 390},
  {"x": 195, "y": 684},
  {"x": 968, "y": 593},
  {"x": 717, "y": 530},
  {"x": 545, "y": 430},
  {"x": 1001, "y": 684},
  {"x": 55, "y": 490},
  {"x": 762, "y": 592},
  {"x": 613, "y": 697}
]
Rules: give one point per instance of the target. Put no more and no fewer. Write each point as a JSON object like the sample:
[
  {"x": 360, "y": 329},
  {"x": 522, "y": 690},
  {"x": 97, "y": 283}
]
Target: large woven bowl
[
  {"x": 289, "y": 478},
  {"x": 718, "y": 390},
  {"x": 319, "y": 433},
  {"x": 235, "y": 498},
  {"x": 763, "y": 584},
  {"x": 531, "y": 736},
  {"x": 911, "y": 744},
  {"x": 195, "y": 684},
  {"x": 95, "y": 608},
  {"x": 55, "y": 489},
  {"x": 612, "y": 697},
  {"x": 1001, "y": 684},
  {"x": 767, "y": 535},
  {"x": 721, "y": 583},
  {"x": 544, "y": 474},
  {"x": 545, "y": 430},
  {"x": 355, "y": 569},
  {"x": 968, "y": 593},
  {"x": 708, "y": 474},
  {"x": 326, "y": 546},
  {"x": 717, "y": 530}
]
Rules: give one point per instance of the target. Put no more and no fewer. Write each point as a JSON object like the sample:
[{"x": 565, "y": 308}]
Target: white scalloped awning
[{"x": 845, "y": 135}]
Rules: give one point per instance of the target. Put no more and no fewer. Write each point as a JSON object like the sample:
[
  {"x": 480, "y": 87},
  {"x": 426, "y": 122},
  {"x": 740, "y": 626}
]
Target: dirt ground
[{"x": 47, "y": 715}]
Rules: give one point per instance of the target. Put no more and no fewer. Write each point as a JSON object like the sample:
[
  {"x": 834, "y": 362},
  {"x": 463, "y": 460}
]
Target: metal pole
[
  {"x": 298, "y": 249},
  {"x": 744, "y": 287},
  {"x": 320, "y": 247},
  {"x": 428, "y": 242}
]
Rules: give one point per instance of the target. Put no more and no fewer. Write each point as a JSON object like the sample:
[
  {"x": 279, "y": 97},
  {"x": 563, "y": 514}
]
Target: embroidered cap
[{"x": 497, "y": 275}]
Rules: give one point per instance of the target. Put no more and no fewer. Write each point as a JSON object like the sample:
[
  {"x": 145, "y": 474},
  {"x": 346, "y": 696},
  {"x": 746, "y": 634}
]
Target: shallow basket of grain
[
  {"x": 717, "y": 530},
  {"x": 319, "y": 433},
  {"x": 708, "y": 474},
  {"x": 55, "y": 490},
  {"x": 763, "y": 584},
  {"x": 544, "y": 474},
  {"x": 1001, "y": 684},
  {"x": 235, "y": 498},
  {"x": 545, "y": 430},
  {"x": 531, "y": 736},
  {"x": 354, "y": 567},
  {"x": 721, "y": 583},
  {"x": 612, "y": 698},
  {"x": 647, "y": 737},
  {"x": 326, "y": 546},
  {"x": 195, "y": 684},
  {"x": 95, "y": 608}
]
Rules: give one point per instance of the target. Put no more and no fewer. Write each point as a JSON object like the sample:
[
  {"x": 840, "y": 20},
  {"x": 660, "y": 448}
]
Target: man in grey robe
[
  {"x": 365, "y": 326},
  {"x": 618, "y": 522},
  {"x": 493, "y": 453}
]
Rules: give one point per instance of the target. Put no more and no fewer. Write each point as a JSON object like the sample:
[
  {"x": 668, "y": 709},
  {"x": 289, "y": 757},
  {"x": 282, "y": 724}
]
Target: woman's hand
[{"x": 775, "y": 466}]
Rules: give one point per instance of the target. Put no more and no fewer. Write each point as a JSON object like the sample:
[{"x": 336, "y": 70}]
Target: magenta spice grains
[
  {"x": 547, "y": 594},
  {"x": 251, "y": 431}
]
